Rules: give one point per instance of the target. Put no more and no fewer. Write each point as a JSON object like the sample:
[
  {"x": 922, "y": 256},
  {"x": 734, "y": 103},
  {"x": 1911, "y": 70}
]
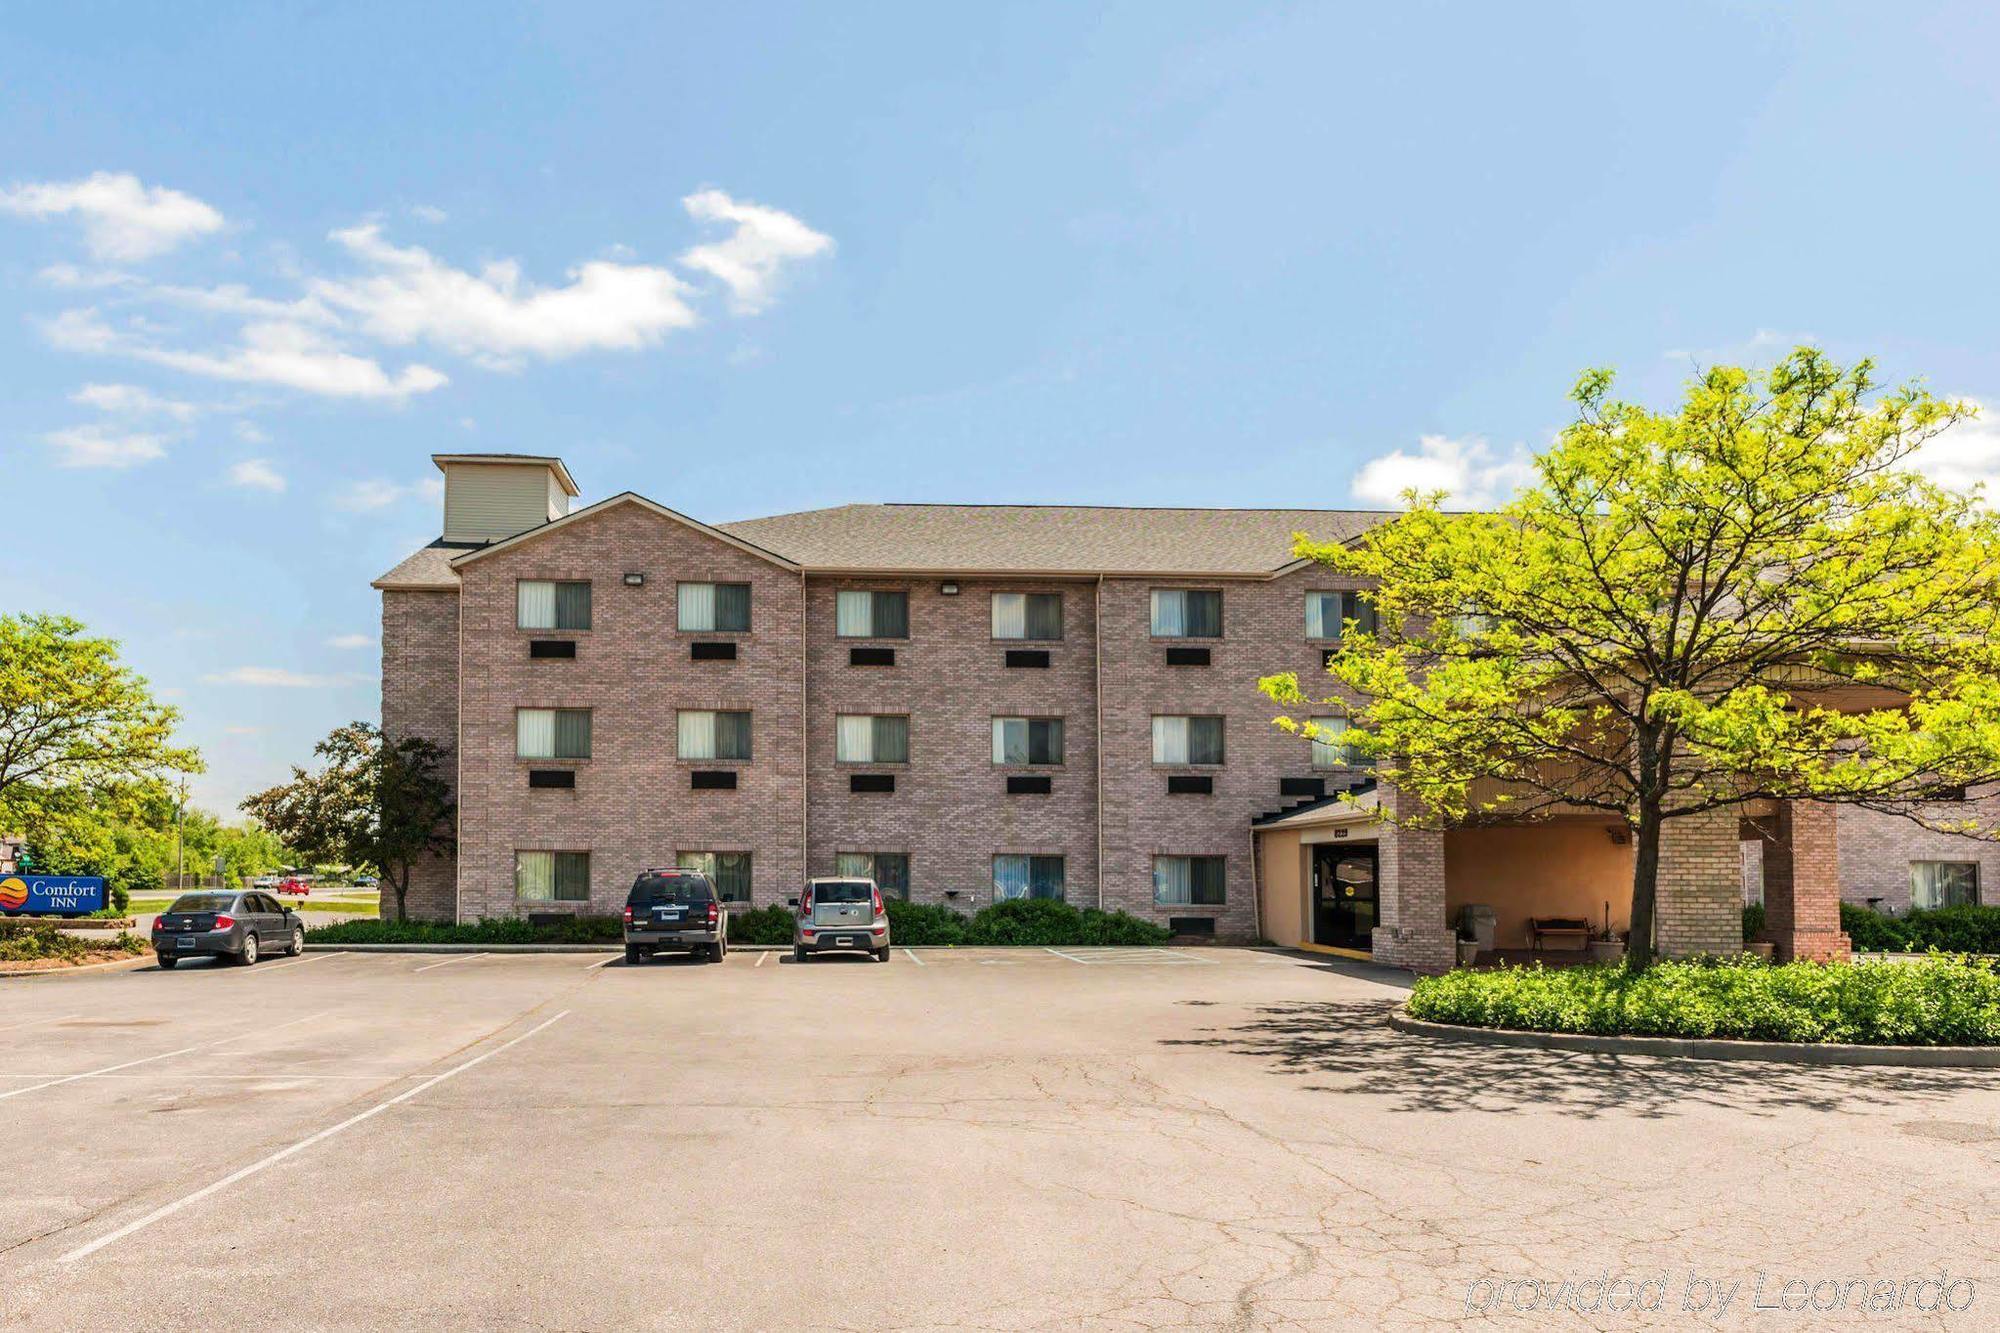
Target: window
[
  {"x": 543, "y": 605},
  {"x": 869, "y": 738},
  {"x": 1944, "y": 883},
  {"x": 1181, "y": 614},
  {"x": 561, "y": 877},
  {"x": 1328, "y": 750},
  {"x": 552, "y": 733},
  {"x": 889, "y": 870},
  {"x": 710, "y": 608},
  {"x": 1473, "y": 623},
  {"x": 729, "y": 872},
  {"x": 1184, "y": 881},
  {"x": 1187, "y": 740},
  {"x": 1027, "y": 740},
  {"x": 1027, "y": 615},
  {"x": 871, "y": 615},
  {"x": 705, "y": 735},
  {"x": 1326, "y": 613},
  {"x": 1027, "y": 877}
]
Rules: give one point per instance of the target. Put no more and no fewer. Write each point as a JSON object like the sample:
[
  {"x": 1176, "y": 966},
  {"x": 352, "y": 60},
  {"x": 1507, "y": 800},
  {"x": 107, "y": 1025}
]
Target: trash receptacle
[{"x": 1482, "y": 921}]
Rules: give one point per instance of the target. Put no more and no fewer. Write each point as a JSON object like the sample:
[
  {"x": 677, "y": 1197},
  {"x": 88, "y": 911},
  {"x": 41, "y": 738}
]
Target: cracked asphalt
[{"x": 978, "y": 1139}]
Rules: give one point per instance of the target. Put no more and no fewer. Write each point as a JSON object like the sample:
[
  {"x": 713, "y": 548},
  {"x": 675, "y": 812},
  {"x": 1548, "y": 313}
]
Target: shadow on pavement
[{"x": 1349, "y": 1048}]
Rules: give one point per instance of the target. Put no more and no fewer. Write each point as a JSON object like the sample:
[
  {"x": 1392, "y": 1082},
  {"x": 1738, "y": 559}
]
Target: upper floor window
[
  {"x": 871, "y": 738},
  {"x": 1184, "y": 613},
  {"x": 561, "y": 877},
  {"x": 706, "y": 735},
  {"x": 1189, "y": 880},
  {"x": 1328, "y": 751},
  {"x": 871, "y": 615},
  {"x": 1027, "y": 615},
  {"x": 1027, "y": 740},
  {"x": 1327, "y": 612},
  {"x": 729, "y": 872},
  {"x": 889, "y": 870},
  {"x": 552, "y": 733},
  {"x": 1016, "y": 876},
  {"x": 710, "y": 608},
  {"x": 1471, "y": 622},
  {"x": 540, "y": 604},
  {"x": 1187, "y": 740},
  {"x": 1944, "y": 883}
]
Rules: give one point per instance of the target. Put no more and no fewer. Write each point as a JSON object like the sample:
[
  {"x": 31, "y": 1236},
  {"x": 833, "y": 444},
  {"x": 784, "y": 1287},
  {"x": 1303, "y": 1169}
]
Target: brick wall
[
  {"x": 1802, "y": 883},
  {"x": 420, "y": 698},
  {"x": 632, "y": 806},
  {"x": 1699, "y": 896},
  {"x": 1414, "y": 932},
  {"x": 1876, "y": 851}
]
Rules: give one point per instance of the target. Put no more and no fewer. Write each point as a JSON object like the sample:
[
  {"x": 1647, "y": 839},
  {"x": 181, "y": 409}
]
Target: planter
[
  {"x": 1468, "y": 952},
  {"x": 1762, "y": 948},
  {"x": 1606, "y": 951}
]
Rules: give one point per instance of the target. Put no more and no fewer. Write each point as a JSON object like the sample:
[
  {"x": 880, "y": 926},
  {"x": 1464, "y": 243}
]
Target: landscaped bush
[
  {"x": 489, "y": 930},
  {"x": 765, "y": 925},
  {"x": 1938, "y": 1001},
  {"x": 924, "y": 923},
  {"x": 38, "y": 941},
  {"x": 1753, "y": 921},
  {"x": 1047, "y": 921},
  {"x": 1950, "y": 929}
]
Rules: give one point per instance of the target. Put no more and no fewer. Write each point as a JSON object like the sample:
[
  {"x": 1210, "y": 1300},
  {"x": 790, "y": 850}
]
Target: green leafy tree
[
  {"x": 1754, "y": 595},
  {"x": 375, "y": 803}
]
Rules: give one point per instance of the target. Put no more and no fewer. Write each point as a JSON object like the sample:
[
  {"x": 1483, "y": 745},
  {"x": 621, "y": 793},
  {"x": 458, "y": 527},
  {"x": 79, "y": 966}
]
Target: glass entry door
[{"x": 1345, "y": 901}]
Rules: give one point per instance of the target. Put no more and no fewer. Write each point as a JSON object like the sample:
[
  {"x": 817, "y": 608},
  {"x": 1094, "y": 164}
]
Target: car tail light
[
  {"x": 806, "y": 903},
  {"x": 714, "y": 911},
  {"x": 875, "y": 894},
  {"x": 628, "y": 914},
  {"x": 159, "y": 923},
  {"x": 223, "y": 921}
]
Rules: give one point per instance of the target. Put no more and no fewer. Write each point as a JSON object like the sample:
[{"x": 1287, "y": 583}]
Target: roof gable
[{"x": 624, "y": 498}]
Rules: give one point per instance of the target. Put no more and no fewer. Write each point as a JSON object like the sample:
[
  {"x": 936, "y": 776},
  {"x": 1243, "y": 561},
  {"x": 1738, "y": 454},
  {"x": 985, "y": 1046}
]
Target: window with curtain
[
  {"x": 552, "y": 733},
  {"x": 1183, "y": 613},
  {"x": 561, "y": 877},
  {"x": 1187, "y": 740},
  {"x": 729, "y": 872},
  {"x": 889, "y": 870},
  {"x": 1328, "y": 750},
  {"x": 871, "y": 738},
  {"x": 715, "y": 608},
  {"x": 1189, "y": 881},
  {"x": 540, "y": 604},
  {"x": 1327, "y": 613},
  {"x": 713, "y": 735},
  {"x": 1027, "y": 740},
  {"x": 1471, "y": 623},
  {"x": 1944, "y": 884},
  {"x": 1027, "y": 615},
  {"x": 871, "y": 615},
  {"x": 1018, "y": 876}
]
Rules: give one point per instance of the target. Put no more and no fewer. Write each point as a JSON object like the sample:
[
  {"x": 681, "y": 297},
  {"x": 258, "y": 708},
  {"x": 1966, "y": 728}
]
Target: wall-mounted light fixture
[
  {"x": 949, "y": 587},
  {"x": 634, "y": 580}
]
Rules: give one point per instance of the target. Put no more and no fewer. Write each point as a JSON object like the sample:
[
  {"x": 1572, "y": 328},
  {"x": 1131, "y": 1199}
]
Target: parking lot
[{"x": 988, "y": 1138}]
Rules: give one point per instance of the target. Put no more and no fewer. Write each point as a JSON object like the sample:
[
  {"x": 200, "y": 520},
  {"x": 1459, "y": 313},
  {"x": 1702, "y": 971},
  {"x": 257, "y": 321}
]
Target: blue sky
[{"x": 259, "y": 261}]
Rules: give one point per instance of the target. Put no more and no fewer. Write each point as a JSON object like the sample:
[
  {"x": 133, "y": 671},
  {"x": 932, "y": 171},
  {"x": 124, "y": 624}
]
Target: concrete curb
[
  {"x": 137, "y": 960},
  {"x": 1684, "y": 1048},
  {"x": 502, "y": 948}
]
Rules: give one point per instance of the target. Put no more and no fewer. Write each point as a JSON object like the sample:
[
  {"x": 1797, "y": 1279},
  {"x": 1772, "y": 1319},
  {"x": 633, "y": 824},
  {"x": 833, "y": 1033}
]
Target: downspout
[
  {"x": 805, "y": 745},
  {"x": 458, "y": 797},
  {"x": 1097, "y": 701}
]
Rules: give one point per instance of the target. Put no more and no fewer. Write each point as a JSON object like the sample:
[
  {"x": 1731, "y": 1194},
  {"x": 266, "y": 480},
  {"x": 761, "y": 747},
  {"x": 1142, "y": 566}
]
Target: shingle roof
[
  {"x": 1048, "y": 539},
  {"x": 1006, "y": 539}
]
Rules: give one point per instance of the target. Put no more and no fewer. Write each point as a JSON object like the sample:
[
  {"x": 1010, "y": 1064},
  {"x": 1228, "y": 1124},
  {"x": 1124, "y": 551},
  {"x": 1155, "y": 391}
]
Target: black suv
[{"x": 674, "y": 909}]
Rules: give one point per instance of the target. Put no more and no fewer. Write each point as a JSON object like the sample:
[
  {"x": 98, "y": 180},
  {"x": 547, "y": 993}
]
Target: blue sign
[{"x": 55, "y": 895}]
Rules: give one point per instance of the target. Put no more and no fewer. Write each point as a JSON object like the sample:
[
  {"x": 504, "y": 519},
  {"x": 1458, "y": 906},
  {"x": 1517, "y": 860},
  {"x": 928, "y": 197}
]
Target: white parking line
[
  {"x": 198, "y": 1046},
  {"x": 462, "y": 958},
  {"x": 762, "y": 954},
  {"x": 913, "y": 958},
  {"x": 601, "y": 962},
  {"x": 168, "y": 1210},
  {"x": 295, "y": 962}
]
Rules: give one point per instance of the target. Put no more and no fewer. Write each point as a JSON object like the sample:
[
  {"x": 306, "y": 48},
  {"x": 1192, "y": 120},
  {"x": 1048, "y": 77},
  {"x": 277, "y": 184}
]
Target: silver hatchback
[{"x": 843, "y": 913}]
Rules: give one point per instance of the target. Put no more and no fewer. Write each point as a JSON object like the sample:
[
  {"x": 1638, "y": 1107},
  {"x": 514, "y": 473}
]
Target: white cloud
[
  {"x": 84, "y": 279},
  {"x": 131, "y": 400},
  {"x": 1761, "y": 348},
  {"x": 99, "y": 446},
  {"x": 256, "y": 474},
  {"x": 750, "y": 259},
  {"x": 250, "y": 432},
  {"x": 362, "y": 497},
  {"x": 428, "y": 213},
  {"x": 494, "y": 316},
  {"x": 1966, "y": 455},
  {"x": 1467, "y": 468},
  {"x": 277, "y": 678},
  {"x": 351, "y": 641},
  {"x": 239, "y": 729},
  {"x": 122, "y": 219}
]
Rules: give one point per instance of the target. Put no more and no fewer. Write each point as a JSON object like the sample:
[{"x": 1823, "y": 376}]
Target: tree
[
  {"x": 72, "y": 716},
  {"x": 1754, "y": 596},
  {"x": 375, "y": 803}
]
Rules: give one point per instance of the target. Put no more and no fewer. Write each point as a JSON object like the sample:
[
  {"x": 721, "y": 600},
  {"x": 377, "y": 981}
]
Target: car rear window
[
  {"x": 203, "y": 902},
  {"x": 840, "y": 891},
  {"x": 650, "y": 889}
]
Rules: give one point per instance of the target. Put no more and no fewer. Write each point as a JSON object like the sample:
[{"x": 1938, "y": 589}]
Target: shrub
[
  {"x": 1940, "y": 1001},
  {"x": 1950, "y": 929},
  {"x": 1047, "y": 921},
  {"x": 765, "y": 925},
  {"x": 32, "y": 941},
  {"x": 488, "y": 930},
  {"x": 1753, "y": 921},
  {"x": 924, "y": 923}
]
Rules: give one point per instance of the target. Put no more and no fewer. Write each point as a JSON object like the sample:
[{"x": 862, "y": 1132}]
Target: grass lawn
[{"x": 358, "y": 904}]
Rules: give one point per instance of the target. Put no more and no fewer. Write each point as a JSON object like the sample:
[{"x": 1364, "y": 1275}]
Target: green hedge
[
  {"x": 766, "y": 925},
  {"x": 1949, "y": 929},
  {"x": 35, "y": 941},
  {"x": 1940, "y": 1001},
  {"x": 490, "y": 930}
]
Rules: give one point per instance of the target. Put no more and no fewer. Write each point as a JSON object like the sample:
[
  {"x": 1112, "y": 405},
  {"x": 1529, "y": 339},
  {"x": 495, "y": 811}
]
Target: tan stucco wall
[
  {"x": 1539, "y": 870},
  {"x": 1281, "y": 886}
]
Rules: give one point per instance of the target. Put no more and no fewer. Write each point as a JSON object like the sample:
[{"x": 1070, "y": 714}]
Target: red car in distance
[{"x": 295, "y": 886}]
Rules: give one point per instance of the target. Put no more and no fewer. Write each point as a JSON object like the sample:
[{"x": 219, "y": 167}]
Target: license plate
[
  {"x": 843, "y": 939},
  {"x": 666, "y": 914},
  {"x": 184, "y": 942}
]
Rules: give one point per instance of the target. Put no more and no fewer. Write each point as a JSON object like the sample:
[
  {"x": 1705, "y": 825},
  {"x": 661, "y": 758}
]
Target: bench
[{"x": 1541, "y": 928}]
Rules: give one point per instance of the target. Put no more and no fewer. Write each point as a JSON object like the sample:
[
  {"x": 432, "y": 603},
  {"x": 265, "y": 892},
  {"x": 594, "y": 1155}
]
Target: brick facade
[
  {"x": 420, "y": 699},
  {"x": 1410, "y": 867},
  {"x": 1802, "y": 884},
  {"x": 1699, "y": 893}
]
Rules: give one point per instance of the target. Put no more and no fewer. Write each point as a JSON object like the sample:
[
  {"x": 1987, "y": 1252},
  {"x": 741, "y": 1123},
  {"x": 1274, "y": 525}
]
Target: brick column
[
  {"x": 1412, "y": 931},
  {"x": 1802, "y": 884},
  {"x": 1698, "y": 905}
]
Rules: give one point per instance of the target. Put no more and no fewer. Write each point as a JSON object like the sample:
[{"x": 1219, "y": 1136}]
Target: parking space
[{"x": 1000, "y": 1138}]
